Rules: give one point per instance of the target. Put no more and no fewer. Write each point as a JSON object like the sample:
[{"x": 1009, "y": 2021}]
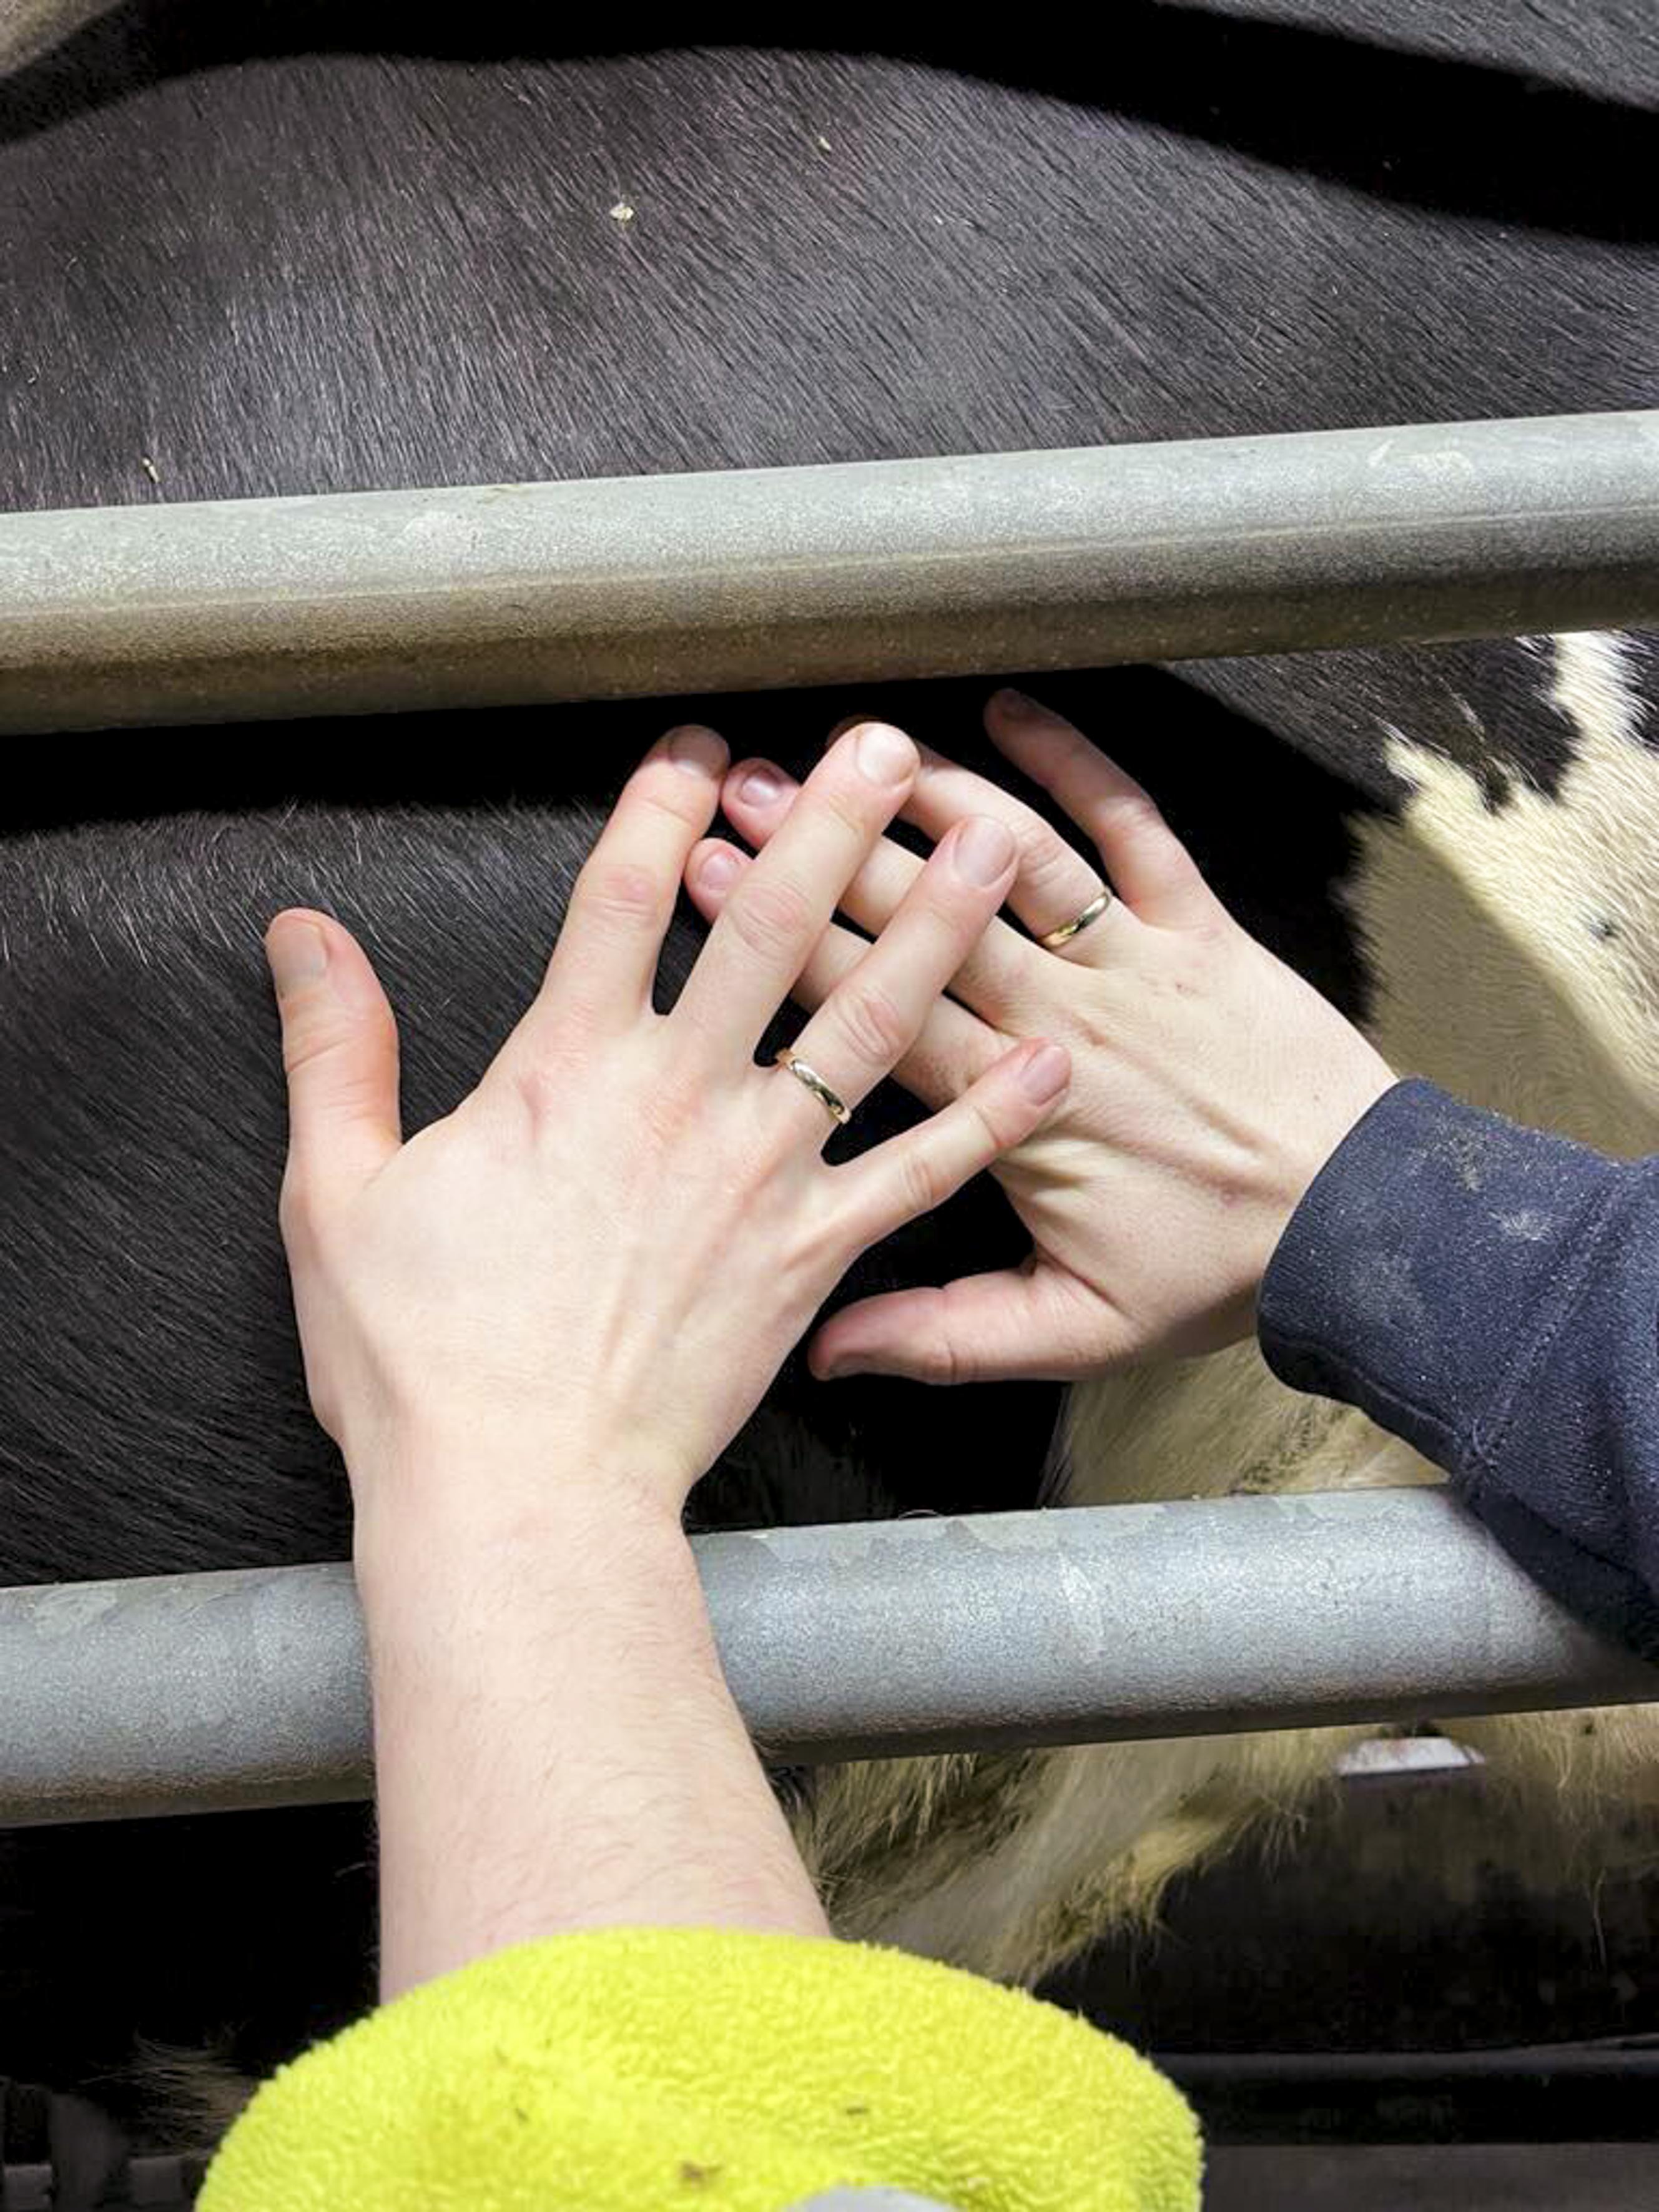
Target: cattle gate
[{"x": 218, "y": 1691}]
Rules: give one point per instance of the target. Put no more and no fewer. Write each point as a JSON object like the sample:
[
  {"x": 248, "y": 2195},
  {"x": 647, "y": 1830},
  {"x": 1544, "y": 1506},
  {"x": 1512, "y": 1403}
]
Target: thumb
[
  {"x": 1030, "y": 1323},
  {"x": 339, "y": 1047}
]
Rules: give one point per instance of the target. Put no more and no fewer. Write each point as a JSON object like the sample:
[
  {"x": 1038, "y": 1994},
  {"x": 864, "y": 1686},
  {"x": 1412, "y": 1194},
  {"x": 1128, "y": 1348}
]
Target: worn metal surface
[
  {"x": 866, "y": 1640},
  {"x": 639, "y": 586}
]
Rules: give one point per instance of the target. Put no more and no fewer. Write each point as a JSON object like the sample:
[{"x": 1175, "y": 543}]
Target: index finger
[
  {"x": 784, "y": 902},
  {"x": 607, "y": 956}
]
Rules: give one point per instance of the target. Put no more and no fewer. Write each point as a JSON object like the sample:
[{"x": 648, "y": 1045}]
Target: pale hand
[
  {"x": 1209, "y": 1085},
  {"x": 591, "y": 1271}
]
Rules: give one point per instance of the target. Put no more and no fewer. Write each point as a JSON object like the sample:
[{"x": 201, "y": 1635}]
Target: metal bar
[
  {"x": 638, "y": 586},
  {"x": 197, "y": 1694}
]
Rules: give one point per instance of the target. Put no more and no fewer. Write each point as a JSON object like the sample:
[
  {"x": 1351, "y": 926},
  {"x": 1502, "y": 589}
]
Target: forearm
[{"x": 555, "y": 1746}]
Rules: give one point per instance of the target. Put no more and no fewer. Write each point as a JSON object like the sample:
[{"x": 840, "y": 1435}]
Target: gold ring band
[
  {"x": 833, "y": 1103},
  {"x": 1068, "y": 930}
]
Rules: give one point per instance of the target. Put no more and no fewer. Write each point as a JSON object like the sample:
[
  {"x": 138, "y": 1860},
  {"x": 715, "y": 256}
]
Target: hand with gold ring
[
  {"x": 1209, "y": 1082},
  {"x": 612, "y": 1244}
]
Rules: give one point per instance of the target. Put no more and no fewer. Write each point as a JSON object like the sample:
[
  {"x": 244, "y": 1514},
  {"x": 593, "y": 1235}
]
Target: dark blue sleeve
[{"x": 1492, "y": 1295}]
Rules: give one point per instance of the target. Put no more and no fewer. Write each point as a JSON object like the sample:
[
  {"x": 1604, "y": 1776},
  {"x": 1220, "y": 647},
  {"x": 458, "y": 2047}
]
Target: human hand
[
  {"x": 592, "y": 1268},
  {"x": 1209, "y": 1085}
]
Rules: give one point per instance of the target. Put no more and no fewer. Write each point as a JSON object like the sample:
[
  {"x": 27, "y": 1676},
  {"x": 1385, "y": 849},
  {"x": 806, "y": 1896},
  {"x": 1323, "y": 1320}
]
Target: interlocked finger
[
  {"x": 756, "y": 800},
  {"x": 781, "y": 907},
  {"x": 1151, "y": 868},
  {"x": 912, "y": 1173},
  {"x": 1056, "y": 886},
  {"x": 955, "y": 1047},
  {"x": 874, "y": 1014}
]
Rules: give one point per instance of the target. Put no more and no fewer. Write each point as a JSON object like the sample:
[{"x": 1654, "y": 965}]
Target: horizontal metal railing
[
  {"x": 196, "y": 1693},
  {"x": 991, "y": 564}
]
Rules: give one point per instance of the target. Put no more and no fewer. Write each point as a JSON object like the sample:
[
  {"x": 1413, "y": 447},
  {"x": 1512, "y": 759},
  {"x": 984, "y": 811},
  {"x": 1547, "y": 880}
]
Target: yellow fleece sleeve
[{"x": 641, "y": 2069}]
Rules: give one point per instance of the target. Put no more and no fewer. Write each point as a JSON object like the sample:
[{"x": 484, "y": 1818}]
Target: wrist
[
  {"x": 1331, "y": 1117},
  {"x": 1335, "y": 1110},
  {"x": 1331, "y": 1106},
  {"x": 470, "y": 1505},
  {"x": 484, "y": 1466}
]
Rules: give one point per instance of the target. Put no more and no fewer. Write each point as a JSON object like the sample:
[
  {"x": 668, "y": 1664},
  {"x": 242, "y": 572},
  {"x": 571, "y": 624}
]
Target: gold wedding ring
[
  {"x": 1068, "y": 930},
  {"x": 833, "y": 1103}
]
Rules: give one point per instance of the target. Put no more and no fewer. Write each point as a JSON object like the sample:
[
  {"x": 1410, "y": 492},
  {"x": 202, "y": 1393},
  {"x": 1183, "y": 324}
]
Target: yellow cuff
[{"x": 641, "y": 2069}]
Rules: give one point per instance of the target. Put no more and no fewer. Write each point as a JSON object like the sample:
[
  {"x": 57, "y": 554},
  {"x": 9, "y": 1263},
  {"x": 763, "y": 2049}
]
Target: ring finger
[
  {"x": 955, "y": 1048},
  {"x": 873, "y": 1015},
  {"x": 1056, "y": 890}
]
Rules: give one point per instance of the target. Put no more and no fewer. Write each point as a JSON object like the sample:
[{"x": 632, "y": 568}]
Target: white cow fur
[{"x": 1498, "y": 978}]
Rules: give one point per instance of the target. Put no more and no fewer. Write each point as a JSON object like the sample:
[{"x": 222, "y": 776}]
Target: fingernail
[
  {"x": 1045, "y": 1074},
  {"x": 762, "y": 786},
  {"x": 298, "y": 953},
  {"x": 886, "y": 755},
  {"x": 1010, "y": 702},
  {"x": 697, "y": 751},
  {"x": 983, "y": 852},
  {"x": 720, "y": 869}
]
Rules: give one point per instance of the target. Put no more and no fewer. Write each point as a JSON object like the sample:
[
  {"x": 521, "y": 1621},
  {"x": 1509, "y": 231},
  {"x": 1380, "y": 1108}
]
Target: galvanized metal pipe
[
  {"x": 1071, "y": 1626},
  {"x": 639, "y": 586}
]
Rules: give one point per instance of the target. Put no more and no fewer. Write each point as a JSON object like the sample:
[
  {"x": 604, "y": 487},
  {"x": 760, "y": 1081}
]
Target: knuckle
[
  {"x": 673, "y": 1112},
  {"x": 942, "y": 1363},
  {"x": 921, "y": 1183},
  {"x": 663, "y": 790},
  {"x": 844, "y": 798},
  {"x": 937, "y": 1358},
  {"x": 310, "y": 1042},
  {"x": 870, "y": 1022},
  {"x": 1130, "y": 813},
  {"x": 546, "y": 1073},
  {"x": 1212, "y": 937},
  {"x": 988, "y": 1132},
  {"x": 304, "y": 1044},
  {"x": 537, "y": 1087},
  {"x": 621, "y": 893},
  {"x": 1044, "y": 856},
  {"x": 767, "y": 911}
]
